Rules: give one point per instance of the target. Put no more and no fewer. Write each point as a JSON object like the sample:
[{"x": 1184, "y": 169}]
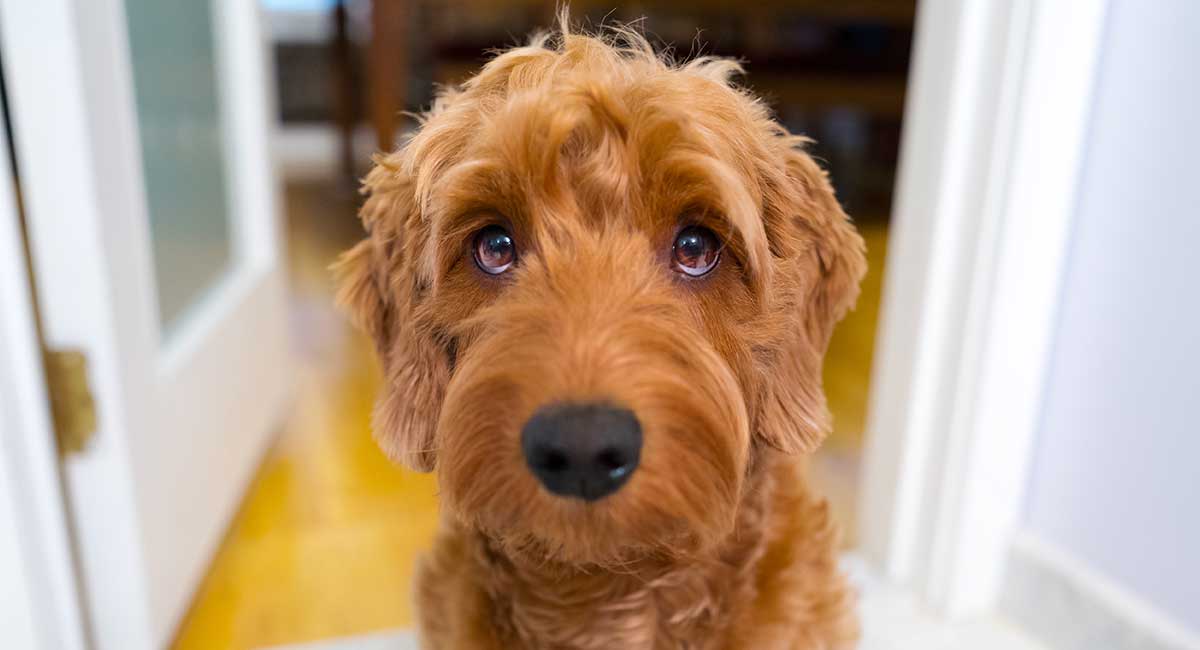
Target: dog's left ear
[{"x": 821, "y": 263}]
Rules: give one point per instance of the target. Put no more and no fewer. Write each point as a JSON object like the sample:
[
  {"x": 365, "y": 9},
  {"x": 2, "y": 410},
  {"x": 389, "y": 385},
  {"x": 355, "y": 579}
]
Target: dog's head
[{"x": 597, "y": 281}]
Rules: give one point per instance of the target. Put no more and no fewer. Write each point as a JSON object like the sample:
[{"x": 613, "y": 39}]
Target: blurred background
[
  {"x": 186, "y": 458},
  {"x": 325, "y": 541}
]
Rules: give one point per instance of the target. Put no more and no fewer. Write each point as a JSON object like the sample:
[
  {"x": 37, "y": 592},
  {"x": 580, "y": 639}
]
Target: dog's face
[{"x": 597, "y": 283}]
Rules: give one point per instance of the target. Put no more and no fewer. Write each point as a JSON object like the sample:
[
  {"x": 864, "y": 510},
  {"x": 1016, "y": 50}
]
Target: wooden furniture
[{"x": 387, "y": 76}]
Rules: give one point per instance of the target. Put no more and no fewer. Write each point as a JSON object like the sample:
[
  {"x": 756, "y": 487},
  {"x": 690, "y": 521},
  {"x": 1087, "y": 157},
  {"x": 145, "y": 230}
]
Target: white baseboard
[
  {"x": 1071, "y": 606},
  {"x": 894, "y": 618}
]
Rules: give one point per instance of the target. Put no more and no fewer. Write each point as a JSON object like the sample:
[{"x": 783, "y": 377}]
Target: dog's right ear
[
  {"x": 379, "y": 285},
  {"x": 360, "y": 292}
]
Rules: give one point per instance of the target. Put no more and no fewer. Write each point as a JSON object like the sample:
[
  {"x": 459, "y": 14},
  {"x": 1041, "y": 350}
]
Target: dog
[{"x": 601, "y": 284}]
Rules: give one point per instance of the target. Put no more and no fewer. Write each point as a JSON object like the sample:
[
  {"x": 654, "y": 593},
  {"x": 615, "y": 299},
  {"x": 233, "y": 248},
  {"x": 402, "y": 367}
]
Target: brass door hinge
[{"x": 70, "y": 399}]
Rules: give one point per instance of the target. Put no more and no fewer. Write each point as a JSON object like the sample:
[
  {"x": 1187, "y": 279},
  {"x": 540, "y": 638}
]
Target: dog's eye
[
  {"x": 495, "y": 250},
  {"x": 696, "y": 251}
]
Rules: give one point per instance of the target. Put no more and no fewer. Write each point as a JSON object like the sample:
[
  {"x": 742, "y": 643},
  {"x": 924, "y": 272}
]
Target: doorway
[{"x": 326, "y": 537}]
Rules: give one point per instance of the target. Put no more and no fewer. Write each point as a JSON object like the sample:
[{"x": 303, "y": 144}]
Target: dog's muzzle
[{"x": 582, "y": 450}]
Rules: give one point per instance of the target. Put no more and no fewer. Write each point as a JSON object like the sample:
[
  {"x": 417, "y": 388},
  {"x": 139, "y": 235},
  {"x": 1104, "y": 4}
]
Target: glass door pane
[{"x": 172, "y": 51}]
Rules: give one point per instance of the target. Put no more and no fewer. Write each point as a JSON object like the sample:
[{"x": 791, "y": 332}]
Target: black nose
[{"x": 586, "y": 451}]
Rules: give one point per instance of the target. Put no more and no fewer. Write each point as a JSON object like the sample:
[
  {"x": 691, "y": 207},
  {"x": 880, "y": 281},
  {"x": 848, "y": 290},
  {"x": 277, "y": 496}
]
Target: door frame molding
[
  {"x": 995, "y": 135},
  {"x": 56, "y": 130},
  {"x": 39, "y": 597}
]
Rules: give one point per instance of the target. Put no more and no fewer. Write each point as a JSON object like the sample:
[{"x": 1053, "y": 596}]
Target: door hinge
[{"x": 71, "y": 400}]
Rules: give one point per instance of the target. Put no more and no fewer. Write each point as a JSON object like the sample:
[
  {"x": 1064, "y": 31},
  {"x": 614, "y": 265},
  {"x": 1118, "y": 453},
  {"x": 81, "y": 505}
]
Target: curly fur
[{"x": 593, "y": 151}]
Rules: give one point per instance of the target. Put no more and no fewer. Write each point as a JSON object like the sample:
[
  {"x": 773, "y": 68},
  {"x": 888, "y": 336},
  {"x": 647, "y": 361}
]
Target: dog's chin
[{"x": 530, "y": 550}]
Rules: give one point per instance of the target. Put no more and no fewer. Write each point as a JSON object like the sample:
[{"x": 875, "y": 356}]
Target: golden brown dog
[{"x": 601, "y": 285}]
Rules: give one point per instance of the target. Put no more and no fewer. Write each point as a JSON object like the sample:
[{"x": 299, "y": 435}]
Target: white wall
[{"x": 1116, "y": 480}]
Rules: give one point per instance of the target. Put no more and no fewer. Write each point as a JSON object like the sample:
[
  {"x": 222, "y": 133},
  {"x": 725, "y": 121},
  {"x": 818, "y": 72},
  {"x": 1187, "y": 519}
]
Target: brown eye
[
  {"x": 495, "y": 250},
  {"x": 696, "y": 251}
]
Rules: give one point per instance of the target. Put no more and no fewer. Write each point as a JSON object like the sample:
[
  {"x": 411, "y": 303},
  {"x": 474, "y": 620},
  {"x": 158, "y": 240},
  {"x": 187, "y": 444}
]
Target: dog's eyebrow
[
  {"x": 714, "y": 182},
  {"x": 470, "y": 184},
  {"x": 470, "y": 195}
]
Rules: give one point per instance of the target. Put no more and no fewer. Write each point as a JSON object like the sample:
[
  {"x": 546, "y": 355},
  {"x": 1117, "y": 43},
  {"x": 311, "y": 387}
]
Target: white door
[{"x": 140, "y": 130}]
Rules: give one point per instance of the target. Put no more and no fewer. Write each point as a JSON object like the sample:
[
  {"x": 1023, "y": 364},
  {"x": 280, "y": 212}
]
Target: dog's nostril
[
  {"x": 585, "y": 450},
  {"x": 553, "y": 461},
  {"x": 611, "y": 459}
]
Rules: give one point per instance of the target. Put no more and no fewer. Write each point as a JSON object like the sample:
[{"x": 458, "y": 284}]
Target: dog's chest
[
  {"x": 674, "y": 610},
  {"x": 686, "y": 605}
]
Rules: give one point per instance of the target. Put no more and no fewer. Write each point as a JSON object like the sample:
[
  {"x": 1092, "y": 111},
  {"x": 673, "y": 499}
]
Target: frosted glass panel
[{"x": 174, "y": 70}]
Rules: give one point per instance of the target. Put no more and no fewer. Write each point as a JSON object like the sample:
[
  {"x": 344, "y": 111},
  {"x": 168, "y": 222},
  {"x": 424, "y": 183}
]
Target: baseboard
[{"x": 1071, "y": 606}]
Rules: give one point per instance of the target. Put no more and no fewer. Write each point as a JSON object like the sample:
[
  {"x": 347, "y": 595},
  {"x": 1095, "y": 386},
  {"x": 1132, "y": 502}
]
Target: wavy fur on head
[{"x": 593, "y": 151}]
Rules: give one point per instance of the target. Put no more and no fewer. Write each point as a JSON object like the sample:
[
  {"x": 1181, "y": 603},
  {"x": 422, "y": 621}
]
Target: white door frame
[
  {"x": 994, "y": 138},
  {"x": 39, "y": 595}
]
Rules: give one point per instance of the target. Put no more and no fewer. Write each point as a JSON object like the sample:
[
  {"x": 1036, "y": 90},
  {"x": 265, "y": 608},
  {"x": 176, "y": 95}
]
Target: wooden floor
[{"x": 324, "y": 543}]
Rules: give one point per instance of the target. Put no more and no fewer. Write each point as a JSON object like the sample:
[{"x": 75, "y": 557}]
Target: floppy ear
[
  {"x": 827, "y": 262},
  {"x": 361, "y": 290},
  {"x": 379, "y": 284}
]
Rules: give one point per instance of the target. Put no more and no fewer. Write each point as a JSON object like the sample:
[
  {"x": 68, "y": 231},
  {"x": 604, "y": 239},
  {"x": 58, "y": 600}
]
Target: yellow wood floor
[{"x": 324, "y": 542}]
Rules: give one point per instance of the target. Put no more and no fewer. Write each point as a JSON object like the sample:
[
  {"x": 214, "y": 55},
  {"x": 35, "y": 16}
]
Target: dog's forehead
[{"x": 616, "y": 151}]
